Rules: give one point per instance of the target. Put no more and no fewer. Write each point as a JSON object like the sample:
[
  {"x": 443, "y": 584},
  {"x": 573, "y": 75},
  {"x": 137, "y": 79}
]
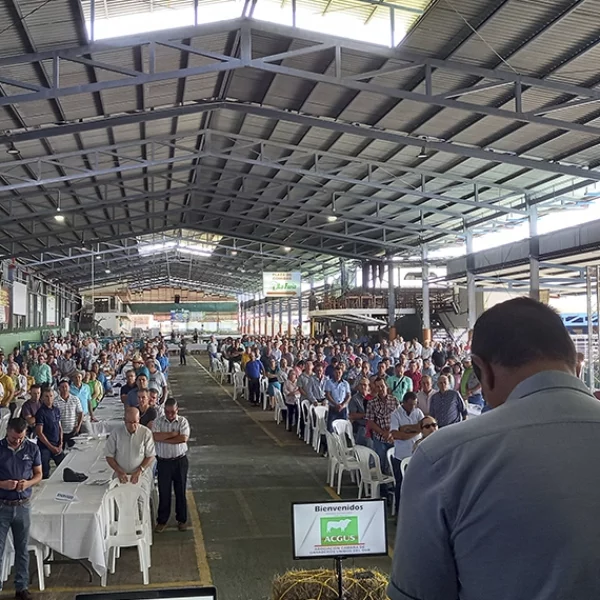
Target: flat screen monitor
[
  {"x": 187, "y": 593},
  {"x": 334, "y": 529}
]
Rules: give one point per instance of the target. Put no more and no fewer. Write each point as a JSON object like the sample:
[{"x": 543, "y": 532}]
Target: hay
[{"x": 321, "y": 584}]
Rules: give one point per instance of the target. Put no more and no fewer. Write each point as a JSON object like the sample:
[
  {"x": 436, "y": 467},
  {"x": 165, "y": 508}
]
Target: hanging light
[
  {"x": 287, "y": 249},
  {"x": 332, "y": 218},
  {"x": 107, "y": 271},
  {"x": 12, "y": 149},
  {"x": 58, "y": 216},
  {"x": 423, "y": 153}
]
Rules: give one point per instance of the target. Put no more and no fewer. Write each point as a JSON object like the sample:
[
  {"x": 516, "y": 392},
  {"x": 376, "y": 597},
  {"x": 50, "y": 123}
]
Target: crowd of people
[
  {"x": 394, "y": 393},
  {"x": 52, "y": 391}
]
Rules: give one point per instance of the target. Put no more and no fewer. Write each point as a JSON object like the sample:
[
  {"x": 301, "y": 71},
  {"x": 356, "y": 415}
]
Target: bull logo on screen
[{"x": 336, "y": 531}]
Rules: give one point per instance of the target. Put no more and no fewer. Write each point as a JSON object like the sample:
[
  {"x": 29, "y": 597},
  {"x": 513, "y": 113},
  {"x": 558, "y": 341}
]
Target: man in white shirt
[
  {"x": 405, "y": 430},
  {"x": 171, "y": 433},
  {"x": 130, "y": 450},
  {"x": 425, "y": 393}
]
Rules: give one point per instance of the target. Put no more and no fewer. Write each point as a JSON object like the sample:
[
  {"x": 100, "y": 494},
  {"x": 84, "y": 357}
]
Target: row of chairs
[{"x": 343, "y": 453}]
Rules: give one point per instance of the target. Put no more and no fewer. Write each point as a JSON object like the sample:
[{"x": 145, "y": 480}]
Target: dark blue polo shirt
[
  {"x": 18, "y": 464},
  {"x": 49, "y": 418}
]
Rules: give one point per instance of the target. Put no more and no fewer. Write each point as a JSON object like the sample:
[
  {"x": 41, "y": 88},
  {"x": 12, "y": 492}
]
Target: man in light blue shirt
[
  {"x": 505, "y": 506},
  {"x": 337, "y": 392}
]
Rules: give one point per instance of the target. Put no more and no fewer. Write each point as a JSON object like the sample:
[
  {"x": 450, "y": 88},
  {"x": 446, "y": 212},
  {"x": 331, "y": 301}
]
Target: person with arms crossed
[
  {"x": 511, "y": 510},
  {"x": 447, "y": 406},
  {"x": 171, "y": 433},
  {"x": 20, "y": 470}
]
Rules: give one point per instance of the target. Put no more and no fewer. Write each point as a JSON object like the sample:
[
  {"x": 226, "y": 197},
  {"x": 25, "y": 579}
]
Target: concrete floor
[{"x": 245, "y": 470}]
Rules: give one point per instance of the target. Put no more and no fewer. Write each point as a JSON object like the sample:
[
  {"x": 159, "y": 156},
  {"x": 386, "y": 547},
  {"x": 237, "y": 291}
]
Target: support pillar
[
  {"x": 289, "y": 311},
  {"x": 260, "y": 317},
  {"x": 254, "y": 319},
  {"x": 365, "y": 275},
  {"x": 589, "y": 273},
  {"x": 280, "y": 316},
  {"x": 471, "y": 290},
  {"x": 426, "y": 304},
  {"x": 343, "y": 277},
  {"x": 534, "y": 255},
  {"x": 272, "y": 319},
  {"x": 391, "y": 316},
  {"x": 300, "y": 311}
]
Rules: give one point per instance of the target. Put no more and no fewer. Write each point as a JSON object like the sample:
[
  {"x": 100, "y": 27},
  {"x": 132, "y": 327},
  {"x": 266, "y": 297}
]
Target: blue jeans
[
  {"x": 16, "y": 518},
  {"x": 46, "y": 455},
  {"x": 381, "y": 449},
  {"x": 476, "y": 399}
]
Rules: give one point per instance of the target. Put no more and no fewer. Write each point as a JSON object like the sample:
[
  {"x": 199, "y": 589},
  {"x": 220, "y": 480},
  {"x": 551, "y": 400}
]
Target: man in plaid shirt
[{"x": 379, "y": 415}]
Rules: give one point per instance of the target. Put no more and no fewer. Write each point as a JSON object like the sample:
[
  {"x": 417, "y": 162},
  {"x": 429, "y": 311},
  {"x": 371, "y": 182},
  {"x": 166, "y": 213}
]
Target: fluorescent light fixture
[
  {"x": 287, "y": 249},
  {"x": 107, "y": 271},
  {"x": 423, "y": 153},
  {"x": 194, "y": 251},
  {"x": 332, "y": 218},
  {"x": 234, "y": 253},
  {"x": 12, "y": 150}
]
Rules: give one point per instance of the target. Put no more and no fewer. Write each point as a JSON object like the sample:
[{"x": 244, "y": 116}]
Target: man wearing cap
[
  {"x": 20, "y": 470},
  {"x": 71, "y": 412}
]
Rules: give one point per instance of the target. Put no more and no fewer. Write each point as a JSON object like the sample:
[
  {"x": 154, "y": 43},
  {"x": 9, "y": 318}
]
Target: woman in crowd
[
  {"x": 457, "y": 372},
  {"x": 291, "y": 396},
  {"x": 272, "y": 372}
]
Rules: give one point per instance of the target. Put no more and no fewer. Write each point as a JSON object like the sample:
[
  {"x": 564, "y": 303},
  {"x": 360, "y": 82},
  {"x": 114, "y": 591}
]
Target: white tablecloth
[
  {"x": 110, "y": 413},
  {"x": 74, "y": 529}
]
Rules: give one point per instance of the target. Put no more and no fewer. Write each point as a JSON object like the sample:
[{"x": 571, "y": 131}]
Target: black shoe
[{"x": 23, "y": 595}]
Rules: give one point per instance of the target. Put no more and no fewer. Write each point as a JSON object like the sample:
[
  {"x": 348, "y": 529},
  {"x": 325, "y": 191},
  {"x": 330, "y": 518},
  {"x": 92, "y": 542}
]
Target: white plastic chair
[
  {"x": 128, "y": 511},
  {"x": 238, "y": 384},
  {"x": 305, "y": 416},
  {"x": 346, "y": 462},
  {"x": 4, "y": 423},
  {"x": 41, "y": 553},
  {"x": 390, "y": 456},
  {"x": 280, "y": 405},
  {"x": 343, "y": 428},
  {"x": 264, "y": 388},
  {"x": 371, "y": 478},
  {"x": 237, "y": 368},
  {"x": 404, "y": 465},
  {"x": 319, "y": 423},
  {"x": 333, "y": 455}
]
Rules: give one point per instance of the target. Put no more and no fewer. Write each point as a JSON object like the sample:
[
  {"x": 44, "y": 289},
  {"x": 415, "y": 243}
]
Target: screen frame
[
  {"x": 153, "y": 594},
  {"x": 341, "y": 501}
]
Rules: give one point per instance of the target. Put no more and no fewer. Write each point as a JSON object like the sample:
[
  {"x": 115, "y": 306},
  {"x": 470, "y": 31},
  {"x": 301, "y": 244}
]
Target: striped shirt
[
  {"x": 178, "y": 425},
  {"x": 447, "y": 407},
  {"x": 69, "y": 409}
]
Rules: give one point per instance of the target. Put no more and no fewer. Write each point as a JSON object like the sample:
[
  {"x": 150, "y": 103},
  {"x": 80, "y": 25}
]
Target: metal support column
[
  {"x": 426, "y": 304},
  {"x": 471, "y": 290},
  {"x": 272, "y": 319},
  {"x": 289, "y": 311},
  {"x": 300, "y": 312},
  {"x": 254, "y": 319},
  {"x": 534, "y": 255},
  {"x": 260, "y": 312},
  {"x": 590, "y": 328},
  {"x": 365, "y": 275},
  {"x": 343, "y": 276},
  {"x": 280, "y": 331},
  {"x": 391, "y": 298}
]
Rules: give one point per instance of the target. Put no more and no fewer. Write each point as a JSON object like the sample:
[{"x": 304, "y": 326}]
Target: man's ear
[{"x": 484, "y": 372}]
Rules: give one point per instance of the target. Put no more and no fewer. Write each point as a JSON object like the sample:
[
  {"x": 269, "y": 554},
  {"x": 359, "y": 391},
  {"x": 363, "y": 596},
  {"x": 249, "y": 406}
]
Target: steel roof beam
[
  {"x": 322, "y": 42},
  {"x": 96, "y": 156}
]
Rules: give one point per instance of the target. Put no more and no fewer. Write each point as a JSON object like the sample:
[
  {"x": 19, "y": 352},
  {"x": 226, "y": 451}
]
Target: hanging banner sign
[
  {"x": 51, "y": 310},
  {"x": 4, "y": 305},
  {"x": 282, "y": 285}
]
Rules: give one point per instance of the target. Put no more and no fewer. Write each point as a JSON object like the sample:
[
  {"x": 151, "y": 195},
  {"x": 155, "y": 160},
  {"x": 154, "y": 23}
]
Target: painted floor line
[{"x": 199, "y": 545}]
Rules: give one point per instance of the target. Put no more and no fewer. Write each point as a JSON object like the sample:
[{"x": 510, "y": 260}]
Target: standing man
[
  {"x": 447, "y": 406},
  {"x": 157, "y": 378},
  {"x": 31, "y": 406},
  {"x": 171, "y": 433},
  {"x": 40, "y": 371},
  {"x": 425, "y": 393},
  {"x": 379, "y": 416},
  {"x": 254, "y": 370},
  {"x": 509, "y": 510},
  {"x": 20, "y": 470},
  {"x": 400, "y": 382},
  {"x": 130, "y": 450},
  {"x": 406, "y": 431},
  {"x": 49, "y": 432},
  {"x": 71, "y": 412},
  {"x": 358, "y": 409},
  {"x": 337, "y": 392}
]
